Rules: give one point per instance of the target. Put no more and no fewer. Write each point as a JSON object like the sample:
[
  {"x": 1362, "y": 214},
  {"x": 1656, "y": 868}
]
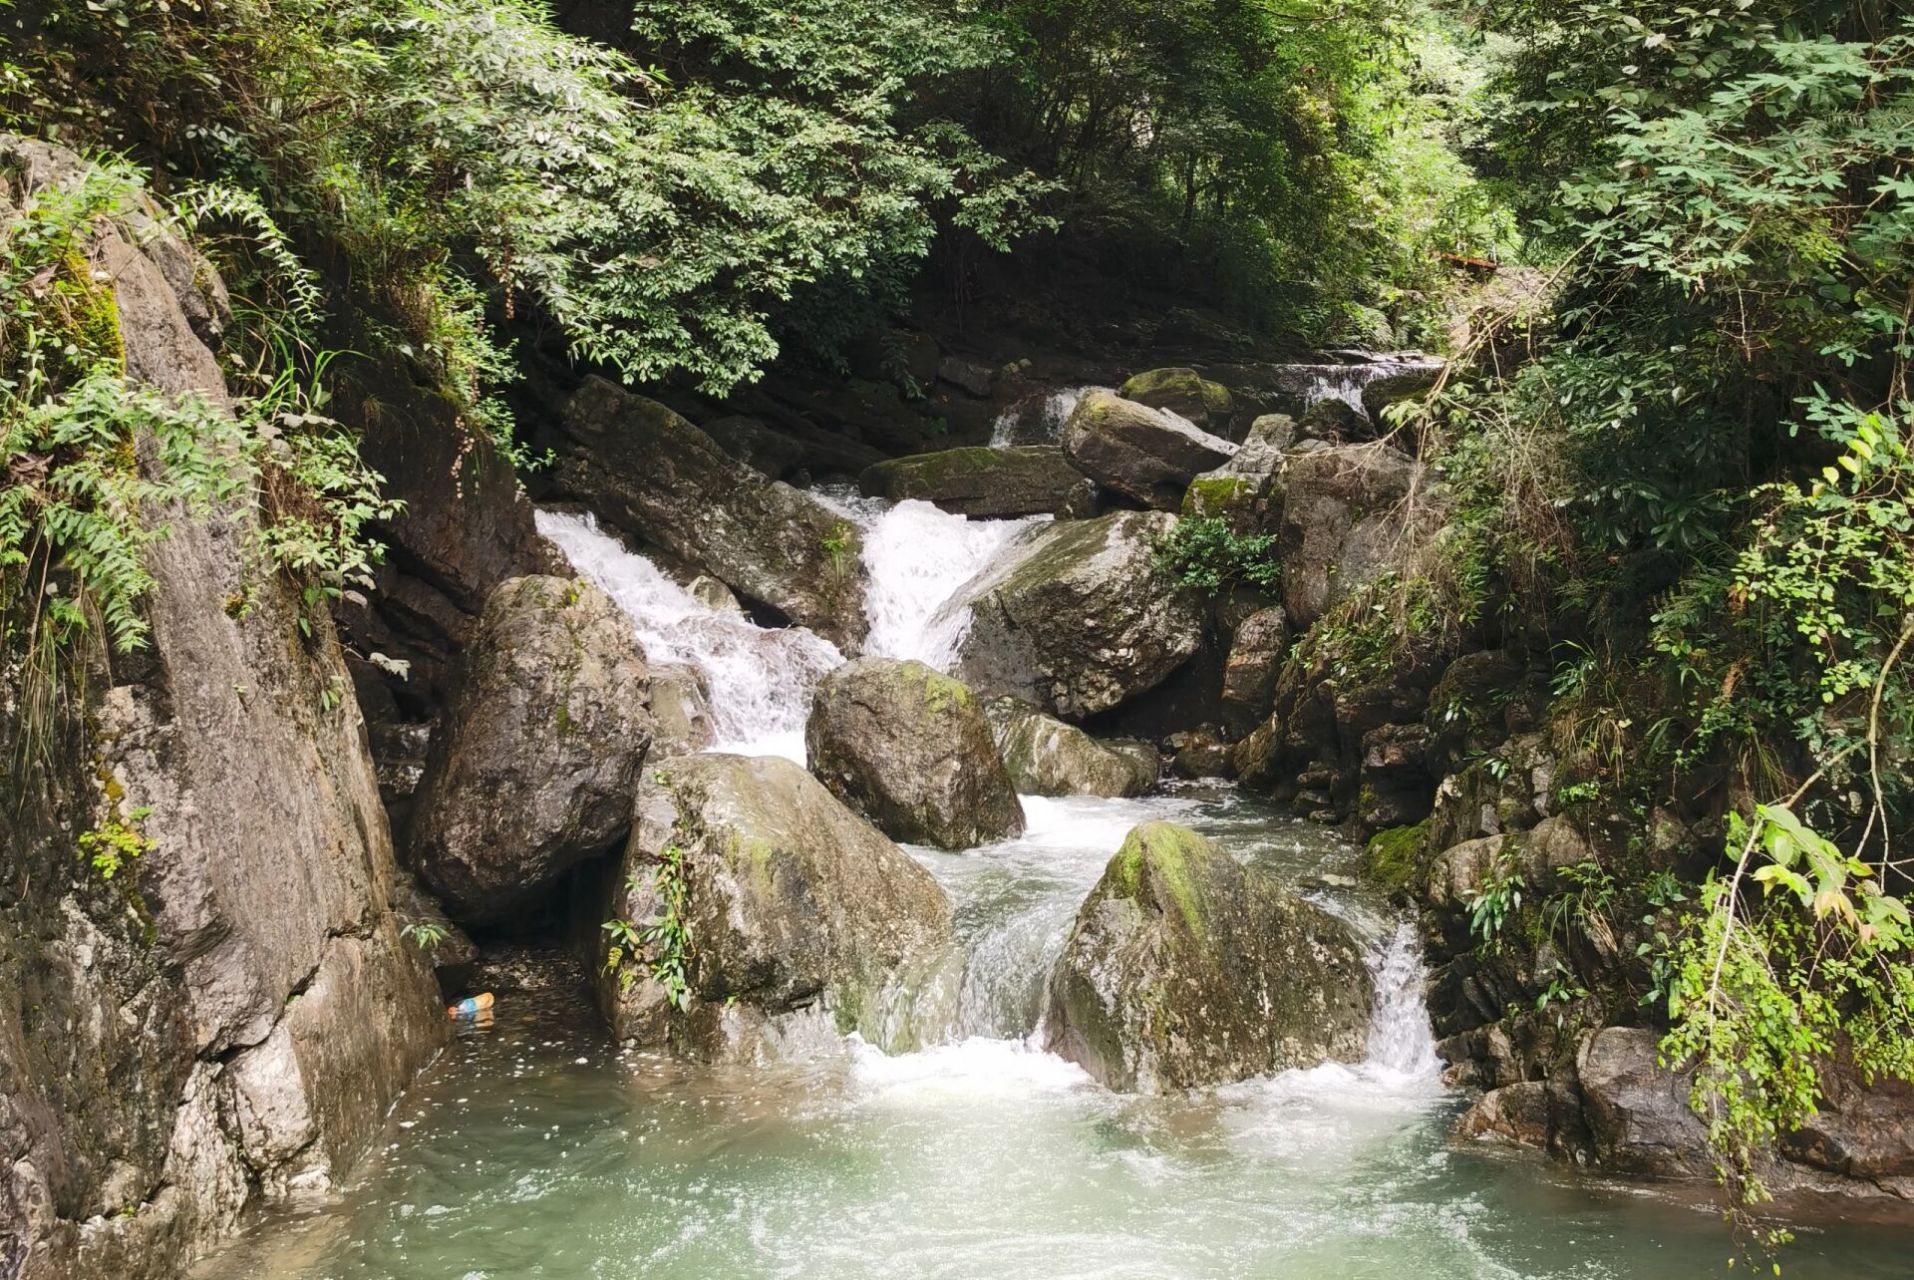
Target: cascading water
[
  {"x": 760, "y": 678},
  {"x": 1036, "y": 419},
  {"x": 918, "y": 557},
  {"x": 538, "y": 1150}
]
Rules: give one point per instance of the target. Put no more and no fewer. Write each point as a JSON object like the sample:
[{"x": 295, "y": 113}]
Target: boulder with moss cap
[
  {"x": 910, "y": 749},
  {"x": 1185, "y": 969}
]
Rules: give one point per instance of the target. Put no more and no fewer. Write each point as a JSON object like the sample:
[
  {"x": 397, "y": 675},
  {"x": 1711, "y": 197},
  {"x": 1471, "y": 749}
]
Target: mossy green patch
[
  {"x": 1393, "y": 856},
  {"x": 1164, "y": 854}
]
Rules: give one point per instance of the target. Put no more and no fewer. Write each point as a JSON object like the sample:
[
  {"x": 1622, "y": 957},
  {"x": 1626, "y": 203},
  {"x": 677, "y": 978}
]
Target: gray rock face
[
  {"x": 1185, "y": 393},
  {"x": 1047, "y": 757},
  {"x": 243, "y": 1033},
  {"x": 1342, "y": 524},
  {"x": 680, "y": 710},
  {"x": 641, "y": 466},
  {"x": 799, "y": 911},
  {"x": 1185, "y": 969},
  {"x": 537, "y": 764},
  {"x": 1078, "y": 618},
  {"x": 1145, "y": 454},
  {"x": 983, "y": 482},
  {"x": 1249, "y": 674},
  {"x": 1637, "y": 1110},
  {"x": 911, "y": 750},
  {"x": 1412, "y": 382}
]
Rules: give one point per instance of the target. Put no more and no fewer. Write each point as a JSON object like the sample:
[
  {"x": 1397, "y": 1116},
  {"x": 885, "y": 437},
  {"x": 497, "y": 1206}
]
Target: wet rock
[
  {"x": 1543, "y": 1114},
  {"x": 680, "y": 710},
  {"x": 1342, "y": 524},
  {"x": 1185, "y": 393},
  {"x": 537, "y": 764},
  {"x": 1249, "y": 674},
  {"x": 638, "y": 464},
  {"x": 1047, "y": 757},
  {"x": 799, "y": 911},
  {"x": 911, "y": 750},
  {"x": 1637, "y": 1110},
  {"x": 1079, "y": 618},
  {"x": 1246, "y": 491},
  {"x": 1202, "y": 753},
  {"x": 1144, "y": 454},
  {"x": 984, "y": 482},
  {"x": 1185, "y": 969}
]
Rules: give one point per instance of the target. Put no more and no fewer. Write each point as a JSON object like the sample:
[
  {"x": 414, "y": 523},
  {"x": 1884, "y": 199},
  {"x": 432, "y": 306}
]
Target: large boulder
[
  {"x": 985, "y": 482},
  {"x": 1079, "y": 617},
  {"x": 911, "y": 750},
  {"x": 230, "y": 1017},
  {"x": 638, "y": 464},
  {"x": 1184, "y": 392},
  {"x": 1255, "y": 659},
  {"x": 1637, "y": 1110},
  {"x": 797, "y": 910},
  {"x": 1147, "y": 455},
  {"x": 1411, "y": 382},
  {"x": 1343, "y": 524},
  {"x": 537, "y": 764},
  {"x": 1186, "y": 969},
  {"x": 1047, "y": 757}
]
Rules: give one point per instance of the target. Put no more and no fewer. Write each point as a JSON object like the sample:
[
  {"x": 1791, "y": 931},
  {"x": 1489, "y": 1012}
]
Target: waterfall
[
  {"x": 1036, "y": 419},
  {"x": 760, "y": 678},
  {"x": 917, "y": 557},
  {"x": 1401, "y": 1041}
]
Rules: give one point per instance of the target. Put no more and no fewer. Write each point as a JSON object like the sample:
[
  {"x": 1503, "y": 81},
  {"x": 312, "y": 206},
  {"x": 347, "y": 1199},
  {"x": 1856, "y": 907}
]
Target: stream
[{"x": 537, "y": 1148}]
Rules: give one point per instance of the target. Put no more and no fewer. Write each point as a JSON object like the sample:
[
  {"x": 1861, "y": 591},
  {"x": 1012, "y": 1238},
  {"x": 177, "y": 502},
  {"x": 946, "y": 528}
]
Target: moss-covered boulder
[
  {"x": 1047, "y": 757},
  {"x": 644, "y": 468},
  {"x": 1145, "y": 454},
  {"x": 799, "y": 917},
  {"x": 1185, "y": 393},
  {"x": 1186, "y": 969},
  {"x": 1410, "y": 383},
  {"x": 1079, "y": 618},
  {"x": 911, "y": 750},
  {"x": 1336, "y": 421},
  {"x": 983, "y": 482},
  {"x": 537, "y": 764},
  {"x": 1393, "y": 859}
]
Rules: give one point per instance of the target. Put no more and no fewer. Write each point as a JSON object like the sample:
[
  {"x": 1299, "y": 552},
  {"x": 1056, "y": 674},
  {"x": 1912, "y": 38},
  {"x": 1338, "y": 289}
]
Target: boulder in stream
[
  {"x": 800, "y": 916},
  {"x": 1047, "y": 757},
  {"x": 984, "y": 482},
  {"x": 1147, "y": 455},
  {"x": 1343, "y": 524},
  {"x": 1079, "y": 618},
  {"x": 643, "y": 467},
  {"x": 1184, "y": 392},
  {"x": 536, "y": 766},
  {"x": 1186, "y": 969},
  {"x": 911, "y": 750}
]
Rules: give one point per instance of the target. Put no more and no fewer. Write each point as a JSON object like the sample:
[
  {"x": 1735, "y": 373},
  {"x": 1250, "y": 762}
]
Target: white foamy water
[
  {"x": 917, "y": 556},
  {"x": 1037, "y": 419},
  {"x": 760, "y": 678}
]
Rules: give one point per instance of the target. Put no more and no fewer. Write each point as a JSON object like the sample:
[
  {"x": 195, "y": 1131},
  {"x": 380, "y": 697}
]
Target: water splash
[
  {"x": 1037, "y": 419},
  {"x": 760, "y": 678},
  {"x": 917, "y": 557}
]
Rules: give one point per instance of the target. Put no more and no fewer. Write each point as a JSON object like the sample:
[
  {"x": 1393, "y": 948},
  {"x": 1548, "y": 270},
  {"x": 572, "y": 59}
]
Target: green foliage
[
  {"x": 116, "y": 842},
  {"x": 662, "y": 943},
  {"x": 1796, "y": 959},
  {"x": 98, "y": 468},
  {"x": 1499, "y": 899},
  {"x": 426, "y": 935},
  {"x": 1205, "y": 554}
]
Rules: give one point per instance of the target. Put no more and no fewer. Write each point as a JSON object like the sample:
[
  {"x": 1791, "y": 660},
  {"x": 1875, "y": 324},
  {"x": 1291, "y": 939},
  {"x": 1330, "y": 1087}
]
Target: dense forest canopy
[{"x": 1679, "y": 454}]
